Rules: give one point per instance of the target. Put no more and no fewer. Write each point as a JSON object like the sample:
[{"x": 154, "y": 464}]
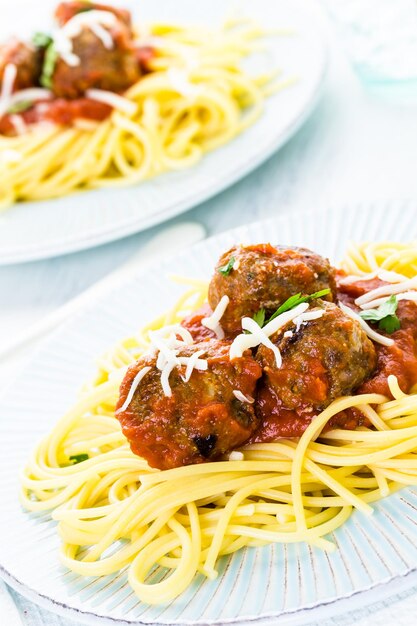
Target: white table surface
[{"x": 356, "y": 147}]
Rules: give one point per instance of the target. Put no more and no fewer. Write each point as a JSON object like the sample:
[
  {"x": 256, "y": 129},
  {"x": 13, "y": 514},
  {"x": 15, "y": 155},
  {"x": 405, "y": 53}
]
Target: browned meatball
[
  {"x": 66, "y": 10},
  {"x": 27, "y": 60},
  {"x": 325, "y": 358},
  {"x": 113, "y": 69},
  {"x": 202, "y": 419},
  {"x": 263, "y": 277}
]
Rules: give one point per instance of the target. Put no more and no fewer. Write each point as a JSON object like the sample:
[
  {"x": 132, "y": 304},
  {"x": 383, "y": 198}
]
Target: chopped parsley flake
[
  {"x": 297, "y": 299},
  {"x": 385, "y": 315},
  {"x": 78, "y": 458},
  {"x": 226, "y": 269},
  {"x": 41, "y": 40},
  {"x": 48, "y": 68},
  {"x": 259, "y": 317}
]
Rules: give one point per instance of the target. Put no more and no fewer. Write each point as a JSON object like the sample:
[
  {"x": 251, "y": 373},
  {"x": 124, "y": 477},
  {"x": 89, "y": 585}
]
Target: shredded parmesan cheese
[
  {"x": 372, "y": 334},
  {"x": 113, "y": 99},
  {"x": 135, "y": 384},
  {"x": 32, "y": 94},
  {"x": 168, "y": 345},
  {"x": 170, "y": 331},
  {"x": 307, "y": 317},
  {"x": 95, "y": 20},
  {"x": 165, "y": 374},
  {"x": 407, "y": 295},
  {"x": 102, "y": 34},
  {"x": 241, "y": 396},
  {"x": 193, "y": 362},
  {"x": 235, "y": 455},
  {"x": 256, "y": 331},
  {"x": 258, "y": 335},
  {"x": 18, "y": 124},
  {"x": 9, "y": 77},
  {"x": 387, "y": 290},
  {"x": 387, "y": 276},
  {"x": 213, "y": 321}
]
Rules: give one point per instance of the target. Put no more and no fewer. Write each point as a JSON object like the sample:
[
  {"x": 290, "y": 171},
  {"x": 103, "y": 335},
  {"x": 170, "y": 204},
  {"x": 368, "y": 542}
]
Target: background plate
[
  {"x": 35, "y": 230},
  {"x": 275, "y": 584}
]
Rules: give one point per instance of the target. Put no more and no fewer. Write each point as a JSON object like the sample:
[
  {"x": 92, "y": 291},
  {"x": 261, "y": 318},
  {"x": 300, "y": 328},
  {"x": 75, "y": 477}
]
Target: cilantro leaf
[
  {"x": 259, "y": 317},
  {"x": 297, "y": 299},
  {"x": 78, "y": 458},
  {"x": 227, "y": 268},
  {"x": 385, "y": 315},
  {"x": 19, "y": 107},
  {"x": 48, "y": 68},
  {"x": 390, "y": 324},
  {"x": 386, "y": 308},
  {"x": 41, "y": 40}
]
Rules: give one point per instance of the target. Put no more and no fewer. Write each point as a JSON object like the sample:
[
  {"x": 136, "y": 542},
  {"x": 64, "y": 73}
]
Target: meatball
[
  {"x": 26, "y": 58},
  {"x": 399, "y": 359},
  {"x": 263, "y": 277},
  {"x": 112, "y": 69},
  {"x": 321, "y": 360},
  {"x": 66, "y": 10},
  {"x": 206, "y": 417}
]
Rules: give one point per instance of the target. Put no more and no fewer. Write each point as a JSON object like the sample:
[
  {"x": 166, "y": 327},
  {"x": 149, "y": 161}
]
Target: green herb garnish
[
  {"x": 19, "y": 107},
  {"x": 297, "y": 299},
  {"x": 385, "y": 315},
  {"x": 78, "y": 458},
  {"x": 84, "y": 9},
  {"x": 48, "y": 68},
  {"x": 41, "y": 40},
  {"x": 226, "y": 269},
  {"x": 259, "y": 317}
]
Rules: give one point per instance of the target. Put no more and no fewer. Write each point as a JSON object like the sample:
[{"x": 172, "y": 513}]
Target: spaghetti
[
  {"x": 114, "y": 511},
  {"x": 195, "y": 97}
]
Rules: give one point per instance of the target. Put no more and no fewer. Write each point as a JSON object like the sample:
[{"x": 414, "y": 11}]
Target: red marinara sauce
[
  {"x": 193, "y": 323},
  {"x": 58, "y": 111},
  {"x": 400, "y": 359}
]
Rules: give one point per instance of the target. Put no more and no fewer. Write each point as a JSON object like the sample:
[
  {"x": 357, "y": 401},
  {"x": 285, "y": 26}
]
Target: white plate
[
  {"x": 272, "y": 585},
  {"x": 35, "y": 230}
]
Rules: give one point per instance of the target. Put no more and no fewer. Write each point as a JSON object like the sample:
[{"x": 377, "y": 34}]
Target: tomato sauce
[
  {"x": 193, "y": 324},
  {"x": 400, "y": 359},
  {"x": 58, "y": 111}
]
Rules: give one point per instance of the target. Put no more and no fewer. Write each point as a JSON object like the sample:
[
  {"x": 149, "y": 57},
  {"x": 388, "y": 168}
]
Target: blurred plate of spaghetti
[{"x": 292, "y": 50}]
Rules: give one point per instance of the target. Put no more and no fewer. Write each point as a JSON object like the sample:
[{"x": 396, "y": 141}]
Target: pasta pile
[
  {"x": 165, "y": 526},
  {"x": 197, "y": 97}
]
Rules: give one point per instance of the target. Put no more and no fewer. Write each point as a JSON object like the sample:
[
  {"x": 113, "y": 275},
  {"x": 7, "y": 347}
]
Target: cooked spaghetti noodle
[
  {"x": 196, "y": 98},
  {"x": 114, "y": 511}
]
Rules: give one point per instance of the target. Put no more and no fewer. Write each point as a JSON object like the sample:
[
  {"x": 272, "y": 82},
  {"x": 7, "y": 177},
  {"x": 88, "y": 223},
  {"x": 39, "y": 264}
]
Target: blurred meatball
[
  {"x": 112, "y": 69},
  {"x": 26, "y": 58},
  {"x": 202, "y": 419},
  {"x": 66, "y": 10},
  {"x": 324, "y": 359},
  {"x": 264, "y": 276}
]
